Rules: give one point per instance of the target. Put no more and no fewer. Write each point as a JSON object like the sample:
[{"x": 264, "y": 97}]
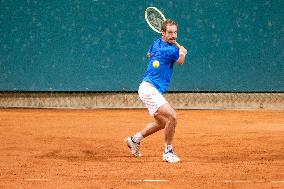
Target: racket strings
[{"x": 155, "y": 18}]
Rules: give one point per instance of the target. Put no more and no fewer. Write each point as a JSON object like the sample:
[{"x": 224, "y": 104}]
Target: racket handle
[{"x": 176, "y": 44}]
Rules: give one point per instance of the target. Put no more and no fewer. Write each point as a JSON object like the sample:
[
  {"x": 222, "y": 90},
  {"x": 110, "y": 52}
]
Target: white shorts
[{"x": 152, "y": 98}]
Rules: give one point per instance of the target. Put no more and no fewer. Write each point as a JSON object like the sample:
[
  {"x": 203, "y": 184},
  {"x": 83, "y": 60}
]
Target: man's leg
[
  {"x": 154, "y": 126},
  {"x": 170, "y": 117},
  {"x": 134, "y": 141},
  {"x": 171, "y": 120}
]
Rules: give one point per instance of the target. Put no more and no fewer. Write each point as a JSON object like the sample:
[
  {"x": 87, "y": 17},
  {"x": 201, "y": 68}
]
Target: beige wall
[{"x": 131, "y": 100}]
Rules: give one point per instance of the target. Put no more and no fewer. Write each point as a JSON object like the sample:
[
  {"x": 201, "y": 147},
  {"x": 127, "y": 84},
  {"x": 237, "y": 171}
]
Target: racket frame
[
  {"x": 152, "y": 27},
  {"x": 148, "y": 22}
]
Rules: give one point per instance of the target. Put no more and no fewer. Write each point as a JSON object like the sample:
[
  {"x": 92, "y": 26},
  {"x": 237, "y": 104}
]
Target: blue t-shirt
[{"x": 167, "y": 54}]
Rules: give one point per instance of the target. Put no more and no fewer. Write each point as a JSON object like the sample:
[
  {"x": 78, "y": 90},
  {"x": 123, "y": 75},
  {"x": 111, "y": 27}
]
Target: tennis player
[{"x": 154, "y": 85}]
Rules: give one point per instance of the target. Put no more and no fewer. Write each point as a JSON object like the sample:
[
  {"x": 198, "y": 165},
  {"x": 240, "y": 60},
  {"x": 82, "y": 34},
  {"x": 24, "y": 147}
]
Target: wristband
[{"x": 181, "y": 53}]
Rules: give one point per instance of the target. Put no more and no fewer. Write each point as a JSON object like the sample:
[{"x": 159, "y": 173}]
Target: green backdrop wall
[{"x": 101, "y": 45}]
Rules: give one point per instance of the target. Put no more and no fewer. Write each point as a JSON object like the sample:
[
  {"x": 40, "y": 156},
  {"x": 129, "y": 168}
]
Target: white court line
[
  {"x": 37, "y": 179},
  {"x": 154, "y": 180}
]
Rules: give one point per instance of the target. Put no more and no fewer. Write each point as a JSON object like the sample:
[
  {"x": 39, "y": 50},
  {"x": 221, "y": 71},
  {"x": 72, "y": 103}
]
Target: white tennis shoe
[
  {"x": 134, "y": 147},
  {"x": 170, "y": 157}
]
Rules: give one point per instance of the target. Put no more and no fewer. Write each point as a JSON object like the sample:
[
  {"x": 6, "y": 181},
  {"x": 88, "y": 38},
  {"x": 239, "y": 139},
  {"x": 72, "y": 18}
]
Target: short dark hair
[{"x": 167, "y": 22}]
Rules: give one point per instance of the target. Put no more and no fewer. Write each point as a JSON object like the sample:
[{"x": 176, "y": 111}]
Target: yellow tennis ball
[{"x": 156, "y": 64}]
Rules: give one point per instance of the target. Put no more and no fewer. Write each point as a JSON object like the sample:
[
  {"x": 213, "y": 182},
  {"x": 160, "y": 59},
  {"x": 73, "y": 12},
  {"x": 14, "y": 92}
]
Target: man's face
[{"x": 171, "y": 34}]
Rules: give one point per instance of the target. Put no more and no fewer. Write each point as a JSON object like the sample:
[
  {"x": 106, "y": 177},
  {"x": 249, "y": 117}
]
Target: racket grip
[{"x": 176, "y": 44}]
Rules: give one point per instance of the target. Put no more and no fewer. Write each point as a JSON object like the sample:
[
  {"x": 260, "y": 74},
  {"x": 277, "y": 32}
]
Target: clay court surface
[{"x": 57, "y": 148}]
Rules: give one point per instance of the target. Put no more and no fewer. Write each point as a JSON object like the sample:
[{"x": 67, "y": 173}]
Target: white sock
[
  {"x": 168, "y": 147},
  {"x": 137, "y": 137}
]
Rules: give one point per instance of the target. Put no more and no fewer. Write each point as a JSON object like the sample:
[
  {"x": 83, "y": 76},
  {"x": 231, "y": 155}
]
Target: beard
[{"x": 171, "y": 40}]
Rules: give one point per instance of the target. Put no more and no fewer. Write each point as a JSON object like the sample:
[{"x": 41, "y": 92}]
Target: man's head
[{"x": 169, "y": 31}]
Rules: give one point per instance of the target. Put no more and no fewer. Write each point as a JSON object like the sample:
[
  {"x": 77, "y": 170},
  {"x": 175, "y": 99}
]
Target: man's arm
[{"x": 182, "y": 54}]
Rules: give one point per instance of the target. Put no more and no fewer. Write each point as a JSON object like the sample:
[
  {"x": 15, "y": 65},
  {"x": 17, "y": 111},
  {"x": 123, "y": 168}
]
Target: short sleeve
[
  {"x": 175, "y": 55},
  {"x": 150, "y": 49}
]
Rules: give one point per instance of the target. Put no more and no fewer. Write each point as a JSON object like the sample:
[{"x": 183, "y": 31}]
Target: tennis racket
[{"x": 154, "y": 18}]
